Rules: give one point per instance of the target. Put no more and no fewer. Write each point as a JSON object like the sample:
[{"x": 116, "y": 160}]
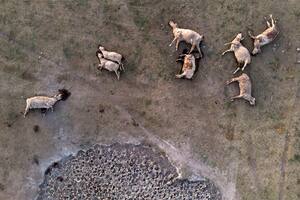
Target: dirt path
[
  {"x": 290, "y": 131},
  {"x": 179, "y": 157}
]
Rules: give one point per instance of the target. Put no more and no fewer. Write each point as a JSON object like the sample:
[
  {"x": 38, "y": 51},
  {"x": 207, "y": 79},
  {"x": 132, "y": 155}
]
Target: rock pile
[{"x": 120, "y": 171}]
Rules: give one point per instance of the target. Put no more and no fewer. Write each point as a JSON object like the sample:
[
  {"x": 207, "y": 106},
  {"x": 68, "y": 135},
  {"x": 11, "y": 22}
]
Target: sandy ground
[{"x": 248, "y": 152}]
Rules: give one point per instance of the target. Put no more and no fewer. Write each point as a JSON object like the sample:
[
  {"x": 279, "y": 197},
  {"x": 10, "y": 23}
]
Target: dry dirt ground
[{"x": 250, "y": 153}]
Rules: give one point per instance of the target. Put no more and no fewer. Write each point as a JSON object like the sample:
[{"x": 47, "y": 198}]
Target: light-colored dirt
[{"x": 249, "y": 152}]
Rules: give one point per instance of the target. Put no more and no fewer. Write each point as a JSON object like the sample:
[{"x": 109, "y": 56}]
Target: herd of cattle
[{"x": 112, "y": 61}]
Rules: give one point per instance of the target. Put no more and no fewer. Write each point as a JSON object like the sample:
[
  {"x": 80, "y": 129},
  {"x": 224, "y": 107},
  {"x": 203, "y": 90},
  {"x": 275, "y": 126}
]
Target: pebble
[{"x": 114, "y": 176}]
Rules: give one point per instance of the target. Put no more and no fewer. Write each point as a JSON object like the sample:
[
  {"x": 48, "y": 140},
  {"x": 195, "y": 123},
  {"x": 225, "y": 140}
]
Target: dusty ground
[{"x": 248, "y": 152}]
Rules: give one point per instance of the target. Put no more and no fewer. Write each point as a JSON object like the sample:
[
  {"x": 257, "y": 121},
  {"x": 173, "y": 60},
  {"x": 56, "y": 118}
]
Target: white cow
[
  {"x": 45, "y": 102},
  {"x": 265, "y": 37},
  {"x": 109, "y": 65},
  {"x": 187, "y": 35},
  {"x": 241, "y": 53},
  {"x": 113, "y": 56},
  {"x": 245, "y": 88}
]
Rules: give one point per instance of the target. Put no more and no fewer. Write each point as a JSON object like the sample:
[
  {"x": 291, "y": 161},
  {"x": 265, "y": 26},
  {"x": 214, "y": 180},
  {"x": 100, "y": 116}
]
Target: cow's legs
[
  {"x": 26, "y": 110},
  {"x": 231, "y": 81},
  {"x": 236, "y": 97},
  {"x": 228, "y": 50},
  {"x": 192, "y": 48},
  {"x": 177, "y": 44},
  {"x": 118, "y": 74},
  {"x": 250, "y": 34},
  {"x": 175, "y": 38},
  {"x": 198, "y": 47},
  {"x": 268, "y": 23},
  {"x": 237, "y": 69},
  {"x": 272, "y": 20},
  {"x": 180, "y": 75},
  {"x": 245, "y": 64}
]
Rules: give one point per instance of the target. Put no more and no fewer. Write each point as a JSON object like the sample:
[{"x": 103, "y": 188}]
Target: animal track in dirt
[{"x": 121, "y": 171}]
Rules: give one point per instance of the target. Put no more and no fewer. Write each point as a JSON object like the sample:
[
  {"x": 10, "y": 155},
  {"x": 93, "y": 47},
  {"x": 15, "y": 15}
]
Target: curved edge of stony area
[{"x": 120, "y": 171}]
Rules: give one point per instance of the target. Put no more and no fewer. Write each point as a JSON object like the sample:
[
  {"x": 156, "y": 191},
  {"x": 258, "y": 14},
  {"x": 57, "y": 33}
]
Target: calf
[
  {"x": 241, "y": 53},
  {"x": 108, "y": 64},
  {"x": 188, "y": 67},
  {"x": 245, "y": 88},
  {"x": 265, "y": 37},
  {"x": 44, "y": 102},
  {"x": 187, "y": 35}
]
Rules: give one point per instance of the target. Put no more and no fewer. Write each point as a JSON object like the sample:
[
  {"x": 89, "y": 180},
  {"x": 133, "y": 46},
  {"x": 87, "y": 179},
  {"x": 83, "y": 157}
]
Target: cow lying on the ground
[
  {"x": 265, "y": 37},
  {"x": 241, "y": 53},
  {"x": 188, "y": 67},
  {"x": 245, "y": 88}
]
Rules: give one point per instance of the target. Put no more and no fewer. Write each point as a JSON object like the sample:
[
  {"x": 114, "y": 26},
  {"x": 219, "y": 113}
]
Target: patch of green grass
[
  {"x": 10, "y": 69},
  {"x": 133, "y": 63},
  {"x": 74, "y": 5},
  {"x": 148, "y": 102},
  {"x": 275, "y": 63},
  {"x": 296, "y": 12},
  {"x": 51, "y": 3},
  {"x": 15, "y": 53},
  {"x": 268, "y": 193},
  {"x": 27, "y": 75},
  {"x": 275, "y": 116},
  {"x": 227, "y": 104},
  {"x": 11, "y": 118},
  {"x": 16, "y": 70},
  {"x": 11, "y": 35},
  {"x": 28, "y": 39},
  {"x": 135, "y": 2},
  {"x": 111, "y": 16},
  {"x": 71, "y": 48},
  {"x": 67, "y": 52},
  {"x": 231, "y": 115},
  {"x": 140, "y": 21},
  {"x": 63, "y": 77},
  {"x": 296, "y": 158}
]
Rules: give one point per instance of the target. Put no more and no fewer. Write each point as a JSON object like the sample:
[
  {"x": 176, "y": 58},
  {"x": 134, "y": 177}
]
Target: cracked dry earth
[{"x": 120, "y": 171}]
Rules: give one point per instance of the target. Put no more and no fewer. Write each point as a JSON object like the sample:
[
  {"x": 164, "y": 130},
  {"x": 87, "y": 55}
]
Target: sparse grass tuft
[
  {"x": 297, "y": 12},
  {"x": 296, "y": 158},
  {"x": 148, "y": 102},
  {"x": 71, "y": 49},
  {"x": 76, "y": 4},
  {"x": 229, "y": 135},
  {"x": 140, "y": 21},
  {"x": 275, "y": 63},
  {"x": 275, "y": 116},
  {"x": 135, "y": 2},
  {"x": 63, "y": 77},
  {"x": 15, "y": 53},
  {"x": 227, "y": 104},
  {"x": 27, "y": 75},
  {"x": 51, "y": 4}
]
